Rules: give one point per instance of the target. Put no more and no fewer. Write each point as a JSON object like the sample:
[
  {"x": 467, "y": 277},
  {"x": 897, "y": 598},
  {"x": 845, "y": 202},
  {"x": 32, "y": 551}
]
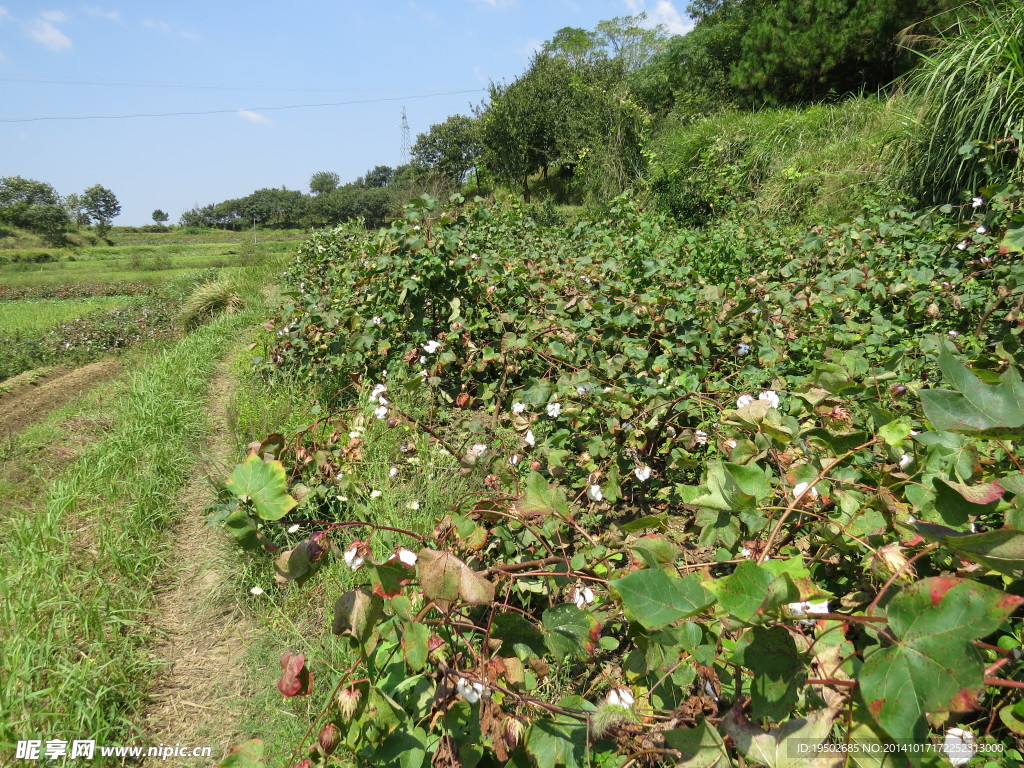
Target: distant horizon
[{"x": 227, "y": 90}]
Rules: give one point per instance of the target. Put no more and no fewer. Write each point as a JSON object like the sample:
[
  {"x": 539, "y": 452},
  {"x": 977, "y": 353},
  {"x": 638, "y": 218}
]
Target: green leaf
[
  {"x": 243, "y": 528},
  {"x": 932, "y": 665},
  {"x": 895, "y": 432},
  {"x": 518, "y": 635},
  {"x": 1013, "y": 240},
  {"x": 771, "y": 654},
  {"x": 552, "y": 743},
  {"x": 751, "y": 589},
  {"x": 655, "y": 599},
  {"x": 569, "y": 631},
  {"x": 414, "y": 644},
  {"x": 357, "y": 612},
  {"x": 1001, "y": 550},
  {"x": 247, "y": 755},
  {"x": 975, "y": 408},
  {"x": 700, "y": 747},
  {"x": 771, "y": 748},
  {"x": 405, "y": 748},
  {"x": 265, "y": 484}
]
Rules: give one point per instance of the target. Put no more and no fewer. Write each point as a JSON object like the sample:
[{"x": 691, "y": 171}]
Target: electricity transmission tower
[{"x": 406, "y": 144}]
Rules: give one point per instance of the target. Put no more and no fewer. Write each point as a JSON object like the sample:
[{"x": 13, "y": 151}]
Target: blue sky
[{"x": 74, "y": 60}]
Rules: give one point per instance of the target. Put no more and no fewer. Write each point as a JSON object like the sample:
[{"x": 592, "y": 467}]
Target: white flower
[
  {"x": 583, "y": 597},
  {"x": 293, "y": 528},
  {"x": 529, "y": 439},
  {"x": 471, "y": 692},
  {"x": 742, "y": 349},
  {"x": 770, "y": 397},
  {"x": 353, "y": 559},
  {"x": 981, "y": 230},
  {"x": 701, "y": 437},
  {"x": 518, "y": 407},
  {"x": 962, "y": 245},
  {"x": 554, "y": 409},
  {"x": 393, "y": 471},
  {"x": 743, "y": 401},
  {"x": 407, "y": 557},
  {"x": 413, "y": 505},
  {"x": 621, "y": 697},
  {"x": 643, "y": 474},
  {"x": 431, "y": 346},
  {"x": 378, "y": 320},
  {"x": 256, "y": 591},
  {"x": 977, "y": 202},
  {"x": 381, "y": 411},
  {"x": 906, "y": 460},
  {"x": 355, "y": 433},
  {"x": 594, "y": 493},
  {"x": 800, "y": 488},
  {"x": 959, "y": 746},
  {"x": 376, "y": 494}
]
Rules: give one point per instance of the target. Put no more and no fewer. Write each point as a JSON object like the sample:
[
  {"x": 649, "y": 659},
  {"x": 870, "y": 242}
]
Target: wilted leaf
[
  {"x": 770, "y": 747},
  {"x": 358, "y": 613},
  {"x": 296, "y": 679},
  {"x": 445, "y": 578}
]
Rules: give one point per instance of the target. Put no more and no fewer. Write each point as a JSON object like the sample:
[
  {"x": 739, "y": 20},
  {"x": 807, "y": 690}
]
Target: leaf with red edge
[
  {"x": 932, "y": 665},
  {"x": 983, "y": 493},
  {"x": 296, "y": 679},
  {"x": 446, "y": 578}
]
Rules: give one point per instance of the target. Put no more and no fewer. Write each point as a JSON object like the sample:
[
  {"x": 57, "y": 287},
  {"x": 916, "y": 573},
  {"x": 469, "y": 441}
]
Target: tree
[
  {"x": 323, "y": 182},
  {"x": 450, "y": 149},
  {"x": 101, "y": 206},
  {"x": 380, "y": 176},
  {"x": 32, "y": 205},
  {"x": 160, "y": 217}
]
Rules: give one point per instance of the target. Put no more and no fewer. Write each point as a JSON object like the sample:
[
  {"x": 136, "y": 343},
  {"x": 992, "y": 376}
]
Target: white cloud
[
  {"x": 254, "y": 117},
  {"x": 4, "y": 13},
  {"x": 533, "y": 45},
  {"x": 188, "y": 34},
  {"x": 161, "y": 26},
  {"x": 498, "y": 3},
  {"x": 92, "y": 10},
  {"x": 44, "y": 32},
  {"x": 664, "y": 13},
  {"x": 54, "y": 17}
]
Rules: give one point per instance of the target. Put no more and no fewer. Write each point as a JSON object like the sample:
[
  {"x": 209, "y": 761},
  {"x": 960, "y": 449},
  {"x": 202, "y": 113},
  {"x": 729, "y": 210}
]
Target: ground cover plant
[{"x": 730, "y": 489}]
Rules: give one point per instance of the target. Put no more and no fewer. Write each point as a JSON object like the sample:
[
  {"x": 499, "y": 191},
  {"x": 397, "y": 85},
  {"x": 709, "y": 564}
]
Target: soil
[
  {"x": 31, "y": 398},
  {"x": 193, "y": 703}
]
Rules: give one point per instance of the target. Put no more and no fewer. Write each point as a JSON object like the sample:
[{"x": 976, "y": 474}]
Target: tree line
[{"x": 37, "y": 207}]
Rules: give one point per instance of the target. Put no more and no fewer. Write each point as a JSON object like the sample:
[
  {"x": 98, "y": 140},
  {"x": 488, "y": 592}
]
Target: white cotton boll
[
  {"x": 478, "y": 451},
  {"x": 431, "y": 346},
  {"x": 293, "y": 528},
  {"x": 407, "y": 557},
  {"x": 554, "y": 409},
  {"x": 381, "y": 412},
  {"x": 977, "y": 202},
  {"x": 378, "y": 320},
  {"x": 959, "y": 746},
  {"x": 743, "y": 401},
  {"x": 471, "y": 692},
  {"x": 742, "y": 349},
  {"x": 800, "y": 488},
  {"x": 808, "y": 608},
  {"x": 731, "y": 444},
  {"x": 710, "y": 691},
  {"x": 583, "y": 597},
  {"x": 981, "y": 230},
  {"x": 594, "y": 493},
  {"x": 701, "y": 437},
  {"x": 514, "y": 459},
  {"x": 353, "y": 559},
  {"x": 529, "y": 439},
  {"x": 770, "y": 397},
  {"x": 621, "y": 697},
  {"x": 962, "y": 245},
  {"x": 393, "y": 471},
  {"x": 643, "y": 474},
  {"x": 953, "y": 334},
  {"x": 518, "y": 407},
  {"x": 906, "y": 460}
]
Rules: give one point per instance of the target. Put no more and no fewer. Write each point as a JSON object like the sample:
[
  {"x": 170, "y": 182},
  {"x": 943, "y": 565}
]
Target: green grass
[
  {"x": 801, "y": 165},
  {"x": 26, "y": 317},
  {"x": 80, "y": 563}
]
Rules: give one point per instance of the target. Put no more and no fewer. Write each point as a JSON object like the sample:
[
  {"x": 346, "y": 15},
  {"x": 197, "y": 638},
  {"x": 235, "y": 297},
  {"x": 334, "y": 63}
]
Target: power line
[
  {"x": 188, "y": 86},
  {"x": 245, "y": 109}
]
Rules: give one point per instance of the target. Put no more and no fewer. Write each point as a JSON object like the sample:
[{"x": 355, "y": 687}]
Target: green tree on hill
[
  {"x": 160, "y": 217},
  {"x": 32, "y": 205},
  {"x": 101, "y": 205},
  {"x": 450, "y": 149},
  {"x": 323, "y": 182}
]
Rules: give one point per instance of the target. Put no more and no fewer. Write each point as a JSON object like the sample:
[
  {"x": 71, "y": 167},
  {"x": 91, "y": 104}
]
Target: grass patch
[
  {"x": 25, "y": 317},
  {"x": 76, "y": 591}
]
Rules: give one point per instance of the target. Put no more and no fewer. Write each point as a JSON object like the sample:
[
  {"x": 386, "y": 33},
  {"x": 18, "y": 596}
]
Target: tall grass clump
[
  {"x": 208, "y": 301},
  {"x": 968, "y": 93}
]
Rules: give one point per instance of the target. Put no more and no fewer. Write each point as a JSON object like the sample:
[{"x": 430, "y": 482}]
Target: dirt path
[
  {"x": 30, "y": 400},
  {"x": 192, "y": 703}
]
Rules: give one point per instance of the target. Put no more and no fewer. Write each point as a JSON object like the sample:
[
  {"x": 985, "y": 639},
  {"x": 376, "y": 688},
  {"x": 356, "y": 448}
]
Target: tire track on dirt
[
  {"x": 28, "y": 402},
  {"x": 194, "y": 702}
]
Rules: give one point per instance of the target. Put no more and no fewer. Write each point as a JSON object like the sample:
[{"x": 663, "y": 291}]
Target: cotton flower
[
  {"x": 743, "y": 401},
  {"x": 529, "y": 439},
  {"x": 376, "y": 494},
  {"x": 700, "y": 437},
  {"x": 742, "y": 349},
  {"x": 594, "y": 493},
  {"x": 621, "y": 697},
  {"x": 293, "y": 528},
  {"x": 352, "y": 558},
  {"x": 583, "y": 597},
  {"x": 256, "y": 591},
  {"x": 471, "y": 692},
  {"x": 800, "y": 488},
  {"x": 554, "y": 409},
  {"x": 407, "y": 557},
  {"x": 518, "y": 407},
  {"x": 770, "y": 397},
  {"x": 959, "y": 746},
  {"x": 977, "y": 202},
  {"x": 431, "y": 346},
  {"x": 643, "y": 474},
  {"x": 381, "y": 411}
]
